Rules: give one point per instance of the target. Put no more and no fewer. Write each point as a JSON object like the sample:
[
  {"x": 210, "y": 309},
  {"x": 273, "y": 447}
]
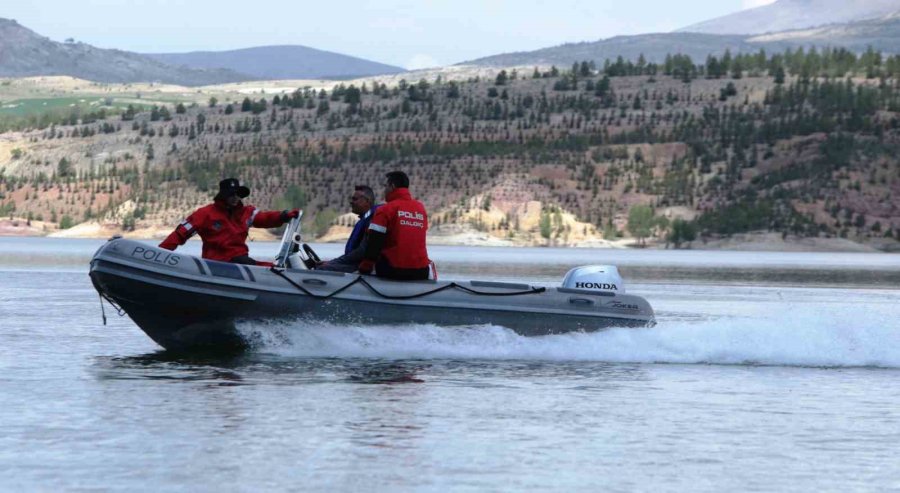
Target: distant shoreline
[{"x": 749, "y": 242}]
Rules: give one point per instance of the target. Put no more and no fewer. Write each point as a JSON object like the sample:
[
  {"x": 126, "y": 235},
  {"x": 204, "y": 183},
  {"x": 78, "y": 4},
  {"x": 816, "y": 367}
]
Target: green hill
[{"x": 800, "y": 143}]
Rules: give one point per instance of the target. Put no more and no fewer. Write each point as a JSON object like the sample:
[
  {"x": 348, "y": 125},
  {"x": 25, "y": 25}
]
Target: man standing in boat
[
  {"x": 224, "y": 224},
  {"x": 362, "y": 203},
  {"x": 395, "y": 246}
]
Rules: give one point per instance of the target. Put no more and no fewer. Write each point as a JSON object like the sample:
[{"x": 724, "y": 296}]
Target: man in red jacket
[
  {"x": 396, "y": 238},
  {"x": 224, "y": 224}
]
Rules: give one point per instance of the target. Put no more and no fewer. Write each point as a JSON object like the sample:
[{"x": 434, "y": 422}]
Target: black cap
[{"x": 231, "y": 186}]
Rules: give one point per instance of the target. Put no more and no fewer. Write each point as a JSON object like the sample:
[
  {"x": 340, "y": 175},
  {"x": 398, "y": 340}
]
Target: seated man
[
  {"x": 362, "y": 203},
  {"x": 224, "y": 224},
  {"x": 396, "y": 242}
]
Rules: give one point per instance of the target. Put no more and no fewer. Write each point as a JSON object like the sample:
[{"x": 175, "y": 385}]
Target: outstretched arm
[
  {"x": 182, "y": 233},
  {"x": 273, "y": 219}
]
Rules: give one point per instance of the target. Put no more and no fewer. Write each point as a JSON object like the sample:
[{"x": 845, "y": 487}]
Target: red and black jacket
[
  {"x": 223, "y": 231},
  {"x": 396, "y": 241}
]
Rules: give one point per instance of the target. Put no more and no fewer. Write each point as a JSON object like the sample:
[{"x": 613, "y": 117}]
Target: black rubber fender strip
[{"x": 364, "y": 282}]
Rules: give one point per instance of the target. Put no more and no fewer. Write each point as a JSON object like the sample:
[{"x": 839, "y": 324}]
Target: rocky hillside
[
  {"x": 281, "y": 62},
  {"x": 795, "y": 143},
  {"x": 24, "y": 53}
]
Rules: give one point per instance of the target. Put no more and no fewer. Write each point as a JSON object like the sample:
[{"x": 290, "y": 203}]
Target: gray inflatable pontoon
[{"x": 184, "y": 302}]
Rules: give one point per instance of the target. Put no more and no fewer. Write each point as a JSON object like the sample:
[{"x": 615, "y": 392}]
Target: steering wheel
[{"x": 312, "y": 259}]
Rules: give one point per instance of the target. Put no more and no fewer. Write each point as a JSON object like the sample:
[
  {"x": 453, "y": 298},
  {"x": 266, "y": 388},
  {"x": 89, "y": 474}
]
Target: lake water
[{"x": 766, "y": 372}]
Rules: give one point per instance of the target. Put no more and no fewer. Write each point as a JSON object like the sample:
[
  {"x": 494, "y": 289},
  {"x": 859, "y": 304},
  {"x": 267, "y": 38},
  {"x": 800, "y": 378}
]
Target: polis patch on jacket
[{"x": 414, "y": 219}]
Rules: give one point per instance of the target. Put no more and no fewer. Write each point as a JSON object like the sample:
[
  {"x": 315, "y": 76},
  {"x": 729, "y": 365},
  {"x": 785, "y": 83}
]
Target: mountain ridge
[
  {"x": 789, "y": 15},
  {"x": 654, "y": 47},
  {"x": 24, "y": 53},
  {"x": 274, "y": 62},
  {"x": 882, "y": 34},
  {"x": 878, "y": 33}
]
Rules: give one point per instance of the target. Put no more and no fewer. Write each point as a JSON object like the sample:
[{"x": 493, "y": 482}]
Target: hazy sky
[{"x": 407, "y": 33}]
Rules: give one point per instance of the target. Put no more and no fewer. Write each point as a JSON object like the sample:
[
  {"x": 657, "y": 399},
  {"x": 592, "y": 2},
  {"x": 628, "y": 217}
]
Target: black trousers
[
  {"x": 243, "y": 259},
  {"x": 385, "y": 270}
]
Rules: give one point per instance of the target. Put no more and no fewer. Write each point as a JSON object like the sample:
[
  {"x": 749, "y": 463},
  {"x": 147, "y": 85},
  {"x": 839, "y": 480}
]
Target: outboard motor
[{"x": 604, "y": 278}]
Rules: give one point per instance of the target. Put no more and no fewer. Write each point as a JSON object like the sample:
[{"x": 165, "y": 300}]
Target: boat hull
[{"x": 186, "y": 303}]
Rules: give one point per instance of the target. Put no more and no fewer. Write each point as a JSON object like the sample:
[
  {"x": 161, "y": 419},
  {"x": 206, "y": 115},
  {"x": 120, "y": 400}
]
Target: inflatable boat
[{"x": 185, "y": 302}]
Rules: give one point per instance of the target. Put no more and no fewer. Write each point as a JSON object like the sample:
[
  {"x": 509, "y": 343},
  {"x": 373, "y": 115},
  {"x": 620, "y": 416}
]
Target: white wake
[{"x": 796, "y": 337}]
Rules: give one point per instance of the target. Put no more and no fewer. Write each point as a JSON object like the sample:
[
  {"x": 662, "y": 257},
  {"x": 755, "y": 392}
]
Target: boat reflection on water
[{"x": 388, "y": 372}]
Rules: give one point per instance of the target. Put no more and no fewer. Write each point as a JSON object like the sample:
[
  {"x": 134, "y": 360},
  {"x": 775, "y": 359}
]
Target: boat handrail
[
  {"x": 290, "y": 241},
  {"x": 362, "y": 280}
]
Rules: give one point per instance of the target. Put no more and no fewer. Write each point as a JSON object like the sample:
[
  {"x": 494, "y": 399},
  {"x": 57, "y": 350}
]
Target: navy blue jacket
[{"x": 359, "y": 231}]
